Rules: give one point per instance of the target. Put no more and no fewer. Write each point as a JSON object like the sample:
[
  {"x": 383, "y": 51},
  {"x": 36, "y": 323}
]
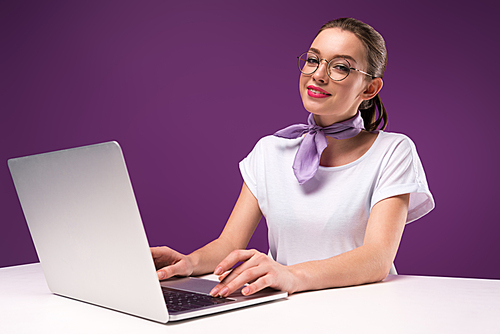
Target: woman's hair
[{"x": 377, "y": 61}]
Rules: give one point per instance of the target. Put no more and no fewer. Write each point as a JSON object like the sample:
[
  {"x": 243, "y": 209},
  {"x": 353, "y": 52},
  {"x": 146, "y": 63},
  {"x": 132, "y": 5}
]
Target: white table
[{"x": 399, "y": 304}]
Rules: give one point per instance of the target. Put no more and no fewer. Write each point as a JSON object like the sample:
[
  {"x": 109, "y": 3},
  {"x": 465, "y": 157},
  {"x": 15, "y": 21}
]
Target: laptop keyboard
[{"x": 179, "y": 301}]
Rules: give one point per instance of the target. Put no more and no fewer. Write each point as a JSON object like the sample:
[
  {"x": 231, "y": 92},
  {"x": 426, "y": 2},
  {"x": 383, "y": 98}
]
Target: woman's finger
[
  {"x": 227, "y": 287},
  {"x": 228, "y": 276},
  {"x": 164, "y": 256},
  {"x": 239, "y": 255},
  {"x": 259, "y": 284},
  {"x": 180, "y": 268},
  {"x": 223, "y": 276}
]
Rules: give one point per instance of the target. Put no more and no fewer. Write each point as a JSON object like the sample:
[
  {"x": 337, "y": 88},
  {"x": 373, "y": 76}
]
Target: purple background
[{"x": 187, "y": 88}]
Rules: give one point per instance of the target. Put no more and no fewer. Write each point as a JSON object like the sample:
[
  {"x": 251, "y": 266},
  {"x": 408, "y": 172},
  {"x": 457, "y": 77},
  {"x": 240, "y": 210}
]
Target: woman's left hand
[{"x": 257, "y": 269}]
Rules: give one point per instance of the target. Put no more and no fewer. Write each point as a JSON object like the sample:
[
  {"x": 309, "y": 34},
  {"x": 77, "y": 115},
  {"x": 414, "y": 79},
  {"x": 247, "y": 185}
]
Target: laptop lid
[{"x": 86, "y": 227}]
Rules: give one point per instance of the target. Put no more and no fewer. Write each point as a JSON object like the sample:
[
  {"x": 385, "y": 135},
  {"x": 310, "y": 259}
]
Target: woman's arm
[
  {"x": 368, "y": 263},
  {"x": 236, "y": 234}
]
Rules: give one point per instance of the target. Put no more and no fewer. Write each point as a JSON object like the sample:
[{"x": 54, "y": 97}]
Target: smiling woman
[
  {"x": 336, "y": 193},
  {"x": 375, "y": 54}
]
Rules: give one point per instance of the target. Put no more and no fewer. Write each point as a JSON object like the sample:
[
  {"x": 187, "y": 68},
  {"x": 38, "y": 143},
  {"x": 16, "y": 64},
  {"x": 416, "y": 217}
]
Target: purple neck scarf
[{"x": 307, "y": 159}]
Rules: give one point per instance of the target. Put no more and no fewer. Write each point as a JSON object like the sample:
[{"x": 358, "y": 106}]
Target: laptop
[{"x": 87, "y": 230}]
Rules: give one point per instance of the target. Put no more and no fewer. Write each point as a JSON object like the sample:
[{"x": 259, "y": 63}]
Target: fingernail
[
  {"x": 245, "y": 291},
  {"x": 161, "y": 274},
  {"x": 224, "y": 292},
  {"x": 214, "y": 292},
  {"x": 218, "y": 271}
]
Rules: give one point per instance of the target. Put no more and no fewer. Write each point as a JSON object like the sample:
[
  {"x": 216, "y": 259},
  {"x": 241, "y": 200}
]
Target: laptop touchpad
[{"x": 192, "y": 284}]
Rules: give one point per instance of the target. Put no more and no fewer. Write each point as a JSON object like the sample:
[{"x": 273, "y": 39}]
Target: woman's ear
[{"x": 372, "y": 89}]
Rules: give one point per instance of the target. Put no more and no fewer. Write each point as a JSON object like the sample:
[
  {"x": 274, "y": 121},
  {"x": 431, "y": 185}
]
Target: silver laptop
[{"x": 83, "y": 217}]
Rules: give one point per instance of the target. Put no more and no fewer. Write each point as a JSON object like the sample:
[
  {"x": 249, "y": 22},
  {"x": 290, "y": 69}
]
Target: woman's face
[{"x": 334, "y": 101}]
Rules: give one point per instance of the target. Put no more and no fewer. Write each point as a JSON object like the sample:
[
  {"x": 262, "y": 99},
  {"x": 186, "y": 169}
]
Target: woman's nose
[{"x": 321, "y": 73}]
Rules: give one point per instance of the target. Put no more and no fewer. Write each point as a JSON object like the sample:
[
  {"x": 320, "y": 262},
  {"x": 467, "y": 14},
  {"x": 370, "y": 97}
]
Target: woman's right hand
[{"x": 170, "y": 263}]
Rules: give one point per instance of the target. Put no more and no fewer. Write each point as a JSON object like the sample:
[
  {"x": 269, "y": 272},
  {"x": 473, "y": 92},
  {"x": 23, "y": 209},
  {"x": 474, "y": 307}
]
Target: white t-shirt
[{"x": 328, "y": 214}]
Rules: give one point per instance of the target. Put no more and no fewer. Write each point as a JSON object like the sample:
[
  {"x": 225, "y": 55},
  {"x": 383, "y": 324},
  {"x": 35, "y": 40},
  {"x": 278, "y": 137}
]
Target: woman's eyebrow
[{"x": 336, "y": 56}]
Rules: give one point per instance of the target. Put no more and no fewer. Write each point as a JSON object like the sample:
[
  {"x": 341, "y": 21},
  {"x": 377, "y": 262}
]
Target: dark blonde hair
[{"x": 376, "y": 55}]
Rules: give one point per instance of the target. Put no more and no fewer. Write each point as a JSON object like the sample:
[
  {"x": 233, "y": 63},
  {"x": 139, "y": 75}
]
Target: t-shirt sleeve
[
  {"x": 249, "y": 169},
  {"x": 403, "y": 173}
]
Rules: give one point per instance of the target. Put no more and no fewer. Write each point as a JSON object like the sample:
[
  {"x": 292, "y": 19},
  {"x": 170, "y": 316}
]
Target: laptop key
[{"x": 178, "y": 300}]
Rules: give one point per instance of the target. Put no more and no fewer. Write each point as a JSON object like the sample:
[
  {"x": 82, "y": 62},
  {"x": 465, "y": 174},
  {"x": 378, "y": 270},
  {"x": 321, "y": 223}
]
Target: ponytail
[{"x": 368, "y": 111}]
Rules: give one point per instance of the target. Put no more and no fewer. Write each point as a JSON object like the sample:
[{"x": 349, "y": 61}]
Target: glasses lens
[
  {"x": 308, "y": 62},
  {"x": 338, "y": 69}
]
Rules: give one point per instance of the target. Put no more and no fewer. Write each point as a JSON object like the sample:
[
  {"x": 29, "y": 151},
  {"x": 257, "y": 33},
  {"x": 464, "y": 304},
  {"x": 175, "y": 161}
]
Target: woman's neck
[{"x": 327, "y": 120}]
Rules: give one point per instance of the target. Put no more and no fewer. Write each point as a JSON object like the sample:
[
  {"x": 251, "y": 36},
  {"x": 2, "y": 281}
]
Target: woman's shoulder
[
  {"x": 273, "y": 142},
  {"x": 393, "y": 136},
  {"x": 272, "y": 147},
  {"x": 391, "y": 144},
  {"x": 392, "y": 139}
]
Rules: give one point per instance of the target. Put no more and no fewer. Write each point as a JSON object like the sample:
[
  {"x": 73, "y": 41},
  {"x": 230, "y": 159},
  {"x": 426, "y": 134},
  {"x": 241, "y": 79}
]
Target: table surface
[{"x": 399, "y": 304}]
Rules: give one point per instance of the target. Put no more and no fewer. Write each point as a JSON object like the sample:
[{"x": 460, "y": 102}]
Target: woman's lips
[{"x": 317, "y": 92}]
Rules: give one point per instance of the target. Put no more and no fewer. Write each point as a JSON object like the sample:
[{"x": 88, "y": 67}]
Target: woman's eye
[
  {"x": 312, "y": 60},
  {"x": 340, "y": 68}
]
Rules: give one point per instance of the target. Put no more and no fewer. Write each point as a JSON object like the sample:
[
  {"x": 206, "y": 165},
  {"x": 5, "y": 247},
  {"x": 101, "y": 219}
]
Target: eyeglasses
[{"x": 338, "y": 68}]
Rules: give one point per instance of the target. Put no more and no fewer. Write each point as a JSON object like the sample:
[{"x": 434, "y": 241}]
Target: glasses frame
[{"x": 328, "y": 66}]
